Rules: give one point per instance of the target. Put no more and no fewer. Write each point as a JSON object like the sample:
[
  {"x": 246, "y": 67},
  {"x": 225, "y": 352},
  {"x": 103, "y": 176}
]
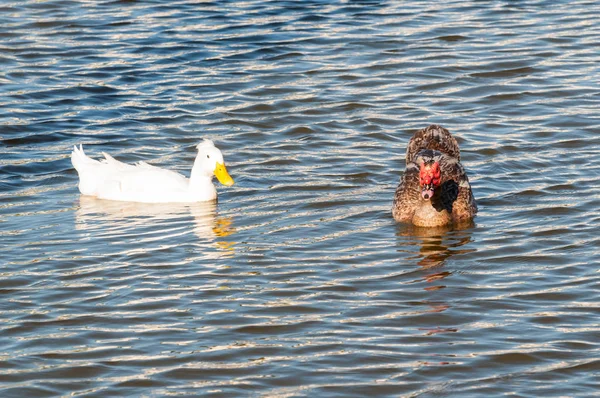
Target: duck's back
[{"x": 433, "y": 137}]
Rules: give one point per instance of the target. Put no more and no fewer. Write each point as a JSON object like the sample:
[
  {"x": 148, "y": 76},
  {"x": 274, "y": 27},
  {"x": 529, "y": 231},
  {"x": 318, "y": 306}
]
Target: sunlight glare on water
[{"x": 299, "y": 282}]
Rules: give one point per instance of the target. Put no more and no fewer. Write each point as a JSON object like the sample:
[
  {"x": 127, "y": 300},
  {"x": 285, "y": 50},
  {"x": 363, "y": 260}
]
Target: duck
[
  {"x": 144, "y": 183},
  {"x": 434, "y": 190}
]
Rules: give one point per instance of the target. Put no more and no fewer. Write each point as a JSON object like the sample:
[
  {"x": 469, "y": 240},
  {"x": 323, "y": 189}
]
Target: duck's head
[
  {"x": 429, "y": 178},
  {"x": 209, "y": 162}
]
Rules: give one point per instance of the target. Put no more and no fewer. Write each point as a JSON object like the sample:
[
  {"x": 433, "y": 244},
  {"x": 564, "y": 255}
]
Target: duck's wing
[
  {"x": 432, "y": 137},
  {"x": 143, "y": 176},
  {"x": 142, "y": 183},
  {"x": 456, "y": 195},
  {"x": 143, "y": 165},
  {"x": 407, "y": 194},
  {"x": 115, "y": 164}
]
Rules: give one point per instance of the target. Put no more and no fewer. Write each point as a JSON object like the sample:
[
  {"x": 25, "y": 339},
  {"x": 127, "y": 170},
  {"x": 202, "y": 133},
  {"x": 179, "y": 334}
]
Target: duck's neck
[{"x": 199, "y": 178}]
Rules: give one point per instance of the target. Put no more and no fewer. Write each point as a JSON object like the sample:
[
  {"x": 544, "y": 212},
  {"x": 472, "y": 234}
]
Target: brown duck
[{"x": 434, "y": 189}]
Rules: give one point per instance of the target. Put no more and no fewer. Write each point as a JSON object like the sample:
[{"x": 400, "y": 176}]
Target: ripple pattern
[{"x": 299, "y": 283}]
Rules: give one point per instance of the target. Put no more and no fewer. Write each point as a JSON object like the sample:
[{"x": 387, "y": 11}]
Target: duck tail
[
  {"x": 87, "y": 170},
  {"x": 79, "y": 159}
]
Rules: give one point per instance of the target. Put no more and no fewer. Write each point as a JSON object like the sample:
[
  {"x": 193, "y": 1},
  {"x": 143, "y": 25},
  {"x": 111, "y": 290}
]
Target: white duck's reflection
[{"x": 154, "y": 222}]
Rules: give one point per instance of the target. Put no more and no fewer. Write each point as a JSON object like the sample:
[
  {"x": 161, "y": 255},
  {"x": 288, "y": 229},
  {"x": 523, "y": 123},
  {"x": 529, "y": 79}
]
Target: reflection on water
[
  {"x": 437, "y": 244},
  {"x": 310, "y": 288},
  {"x": 154, "y": 221}
]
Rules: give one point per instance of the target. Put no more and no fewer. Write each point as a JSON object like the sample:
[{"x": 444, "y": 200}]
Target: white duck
[{"x": 114, "y": 180}]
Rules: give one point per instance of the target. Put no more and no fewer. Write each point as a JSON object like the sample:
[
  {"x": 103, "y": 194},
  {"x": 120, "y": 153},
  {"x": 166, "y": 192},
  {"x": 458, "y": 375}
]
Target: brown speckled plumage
[{"x": 453, "y": 201}]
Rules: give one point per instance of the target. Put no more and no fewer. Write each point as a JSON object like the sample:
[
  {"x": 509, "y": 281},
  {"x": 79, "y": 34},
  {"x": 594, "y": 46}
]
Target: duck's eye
[{"x": 208, "y": 156}]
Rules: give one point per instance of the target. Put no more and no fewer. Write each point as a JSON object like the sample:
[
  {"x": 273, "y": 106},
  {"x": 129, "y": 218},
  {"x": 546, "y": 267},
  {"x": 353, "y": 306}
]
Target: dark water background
[{"x": 299, "y": 283}]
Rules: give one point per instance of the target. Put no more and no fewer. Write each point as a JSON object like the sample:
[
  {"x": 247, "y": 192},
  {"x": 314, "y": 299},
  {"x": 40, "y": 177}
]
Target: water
[{"x": 299, "y": 282}]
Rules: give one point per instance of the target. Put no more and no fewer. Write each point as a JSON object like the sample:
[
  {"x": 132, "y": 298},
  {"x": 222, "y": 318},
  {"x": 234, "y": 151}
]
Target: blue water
[{"x": 299, "y": 282}]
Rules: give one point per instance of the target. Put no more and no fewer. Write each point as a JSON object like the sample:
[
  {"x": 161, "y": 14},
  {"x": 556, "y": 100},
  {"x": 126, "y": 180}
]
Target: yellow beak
[{"x": 222, "y": 174}]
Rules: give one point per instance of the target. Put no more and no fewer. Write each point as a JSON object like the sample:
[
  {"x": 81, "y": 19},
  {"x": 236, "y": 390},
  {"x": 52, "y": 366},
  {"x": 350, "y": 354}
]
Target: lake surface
[{"x": 299, "y": 282}]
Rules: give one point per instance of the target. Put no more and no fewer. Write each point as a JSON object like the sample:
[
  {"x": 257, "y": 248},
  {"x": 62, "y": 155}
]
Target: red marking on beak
[{"x": 429, "y": 179}]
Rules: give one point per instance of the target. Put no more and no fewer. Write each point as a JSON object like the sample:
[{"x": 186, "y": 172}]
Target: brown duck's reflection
[
  {"x": 128, "y": 217},
  {"x": 437, "y": 244}
]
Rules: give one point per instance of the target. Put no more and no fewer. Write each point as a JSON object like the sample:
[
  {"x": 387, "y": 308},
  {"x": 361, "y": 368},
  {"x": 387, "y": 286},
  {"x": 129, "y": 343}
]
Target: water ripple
[{"x": 299, "y": 283}]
